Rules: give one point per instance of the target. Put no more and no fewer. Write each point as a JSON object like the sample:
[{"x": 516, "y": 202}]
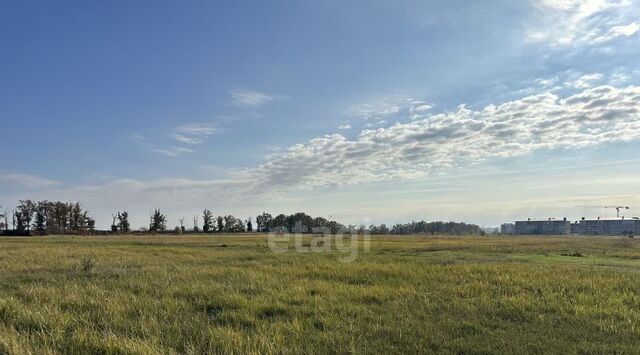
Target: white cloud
[
  {"x": 615, "y": 32},
  {"x": 436, "y": 142},
  {"x": 415, "y": 149},
  {"x": 421, "y": 107},
  {"x": 586, "y": 81},
  {"x": 345, "y": 126},
  {"x": 627, "y": 30},
  {"x": 619, "y": 78},
  {"x": 582, "y": 22},
  {"x": 572, "y": 80},
  {"x": 27, "y": 180},
  {"x": 547, "y": 83}
]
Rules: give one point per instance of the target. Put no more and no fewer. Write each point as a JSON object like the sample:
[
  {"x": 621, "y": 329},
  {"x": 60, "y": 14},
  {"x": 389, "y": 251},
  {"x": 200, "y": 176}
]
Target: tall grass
[{"x": 232, "y": 294}]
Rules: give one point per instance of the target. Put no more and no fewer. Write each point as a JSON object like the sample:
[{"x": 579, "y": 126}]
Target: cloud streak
[
  {"x": 169, "y": 151},
  {"x": 27, "y": 180},
  {"x": 194, "y": 133},
  {"x": 251, "y": 99}
]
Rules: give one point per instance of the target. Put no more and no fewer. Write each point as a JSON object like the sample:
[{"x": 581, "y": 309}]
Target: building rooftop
[{"x": 612, "y": 219}]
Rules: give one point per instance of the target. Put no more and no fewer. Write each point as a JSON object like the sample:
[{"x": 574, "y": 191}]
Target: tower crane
[{"x": 618, "y": 208}]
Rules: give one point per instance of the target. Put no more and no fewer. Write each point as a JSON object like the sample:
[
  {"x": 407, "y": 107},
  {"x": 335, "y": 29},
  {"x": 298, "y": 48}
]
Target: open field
[{"x": 232, "y": 294}]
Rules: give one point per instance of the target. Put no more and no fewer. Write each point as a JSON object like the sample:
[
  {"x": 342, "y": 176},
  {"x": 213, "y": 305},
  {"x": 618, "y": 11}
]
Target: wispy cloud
[
  {"x": 251, "y": 99},
  {"x": 379, "y": 107},
  {"x": 618, "y": 31},
  {"x": 170, "y": 151},
  {"x": 583, "y": 22},
  {"x": 382, "y": 108},
  {"x": 194, "y": 133},
  {"x": 27, "y": 180}
]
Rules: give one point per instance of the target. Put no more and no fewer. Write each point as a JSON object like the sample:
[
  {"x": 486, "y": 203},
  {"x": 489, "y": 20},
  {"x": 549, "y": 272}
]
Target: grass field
[{"x": 232, "y": 294}]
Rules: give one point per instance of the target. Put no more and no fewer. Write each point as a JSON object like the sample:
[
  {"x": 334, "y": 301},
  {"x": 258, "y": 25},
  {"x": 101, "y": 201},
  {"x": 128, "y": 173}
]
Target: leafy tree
[
  {"x": 280, "y": 221},
  {"x": 24, "y": 214},
  {"x": 51, "y": 217},
  {"x": 220, "y": 221},
  {"x": 264, "y": 222},
  {"x": 91, "y": 224},
  {"x": 40, "y": 220},
  {"x": 158, "y": 221},
  {"x": 123, "y": 222},
  {"x": 299, "y": 222},
  {"x": 249, "y": 225},
  {"x": 334, "y": 227},
  {"x": 207, "y": 221},
  {"x": 233, "y": 224},
  {"x": 77, "y": 221},
  {"x": 422, "y": 227},
  {"x": 57, "y": 220},
  {"x": 18, "y": 221}
]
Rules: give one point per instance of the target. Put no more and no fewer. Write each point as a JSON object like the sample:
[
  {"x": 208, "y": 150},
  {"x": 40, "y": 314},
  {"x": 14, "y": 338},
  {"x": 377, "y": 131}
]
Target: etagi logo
[{"x": 349, "y": 242}]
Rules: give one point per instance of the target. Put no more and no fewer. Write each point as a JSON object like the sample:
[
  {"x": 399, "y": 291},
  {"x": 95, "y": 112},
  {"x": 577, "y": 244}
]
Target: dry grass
[{"x": 232, "y": 294}]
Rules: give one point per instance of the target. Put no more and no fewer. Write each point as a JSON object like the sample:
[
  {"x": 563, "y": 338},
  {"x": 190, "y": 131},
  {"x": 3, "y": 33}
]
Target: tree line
[{"x": 45, "y": 217}]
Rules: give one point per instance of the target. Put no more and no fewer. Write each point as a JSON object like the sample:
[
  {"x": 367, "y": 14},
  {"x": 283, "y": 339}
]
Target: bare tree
[
  {"x": 195, "y": 224},
  {"x": 114, "y": 226},
  {"x": 181, "y": 220}
]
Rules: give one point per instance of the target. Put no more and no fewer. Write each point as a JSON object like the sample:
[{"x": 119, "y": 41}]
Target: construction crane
[{"x": 618, "y": 208}]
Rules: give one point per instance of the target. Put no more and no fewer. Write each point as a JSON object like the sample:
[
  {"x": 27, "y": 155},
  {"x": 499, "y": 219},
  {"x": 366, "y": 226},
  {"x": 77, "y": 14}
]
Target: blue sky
[{"x": 369, "y": 111}]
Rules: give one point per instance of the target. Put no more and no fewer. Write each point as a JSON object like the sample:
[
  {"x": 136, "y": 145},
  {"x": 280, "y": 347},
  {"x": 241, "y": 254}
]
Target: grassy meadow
[{"x": 233, "y": 294}]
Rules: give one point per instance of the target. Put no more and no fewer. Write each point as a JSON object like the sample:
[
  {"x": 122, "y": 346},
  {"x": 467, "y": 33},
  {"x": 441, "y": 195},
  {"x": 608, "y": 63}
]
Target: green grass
[{"x": 232, "y": 294}]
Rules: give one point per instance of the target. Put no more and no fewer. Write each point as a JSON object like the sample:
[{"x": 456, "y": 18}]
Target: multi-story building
[
  {"x": 508, "y": 228},
  {"x": 543, "y": 227},
  {"x": 607, "y": 226}
]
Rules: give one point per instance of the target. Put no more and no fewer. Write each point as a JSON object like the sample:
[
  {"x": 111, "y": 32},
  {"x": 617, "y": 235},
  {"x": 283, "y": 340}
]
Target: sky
[{"x": 363, "y": 111}]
